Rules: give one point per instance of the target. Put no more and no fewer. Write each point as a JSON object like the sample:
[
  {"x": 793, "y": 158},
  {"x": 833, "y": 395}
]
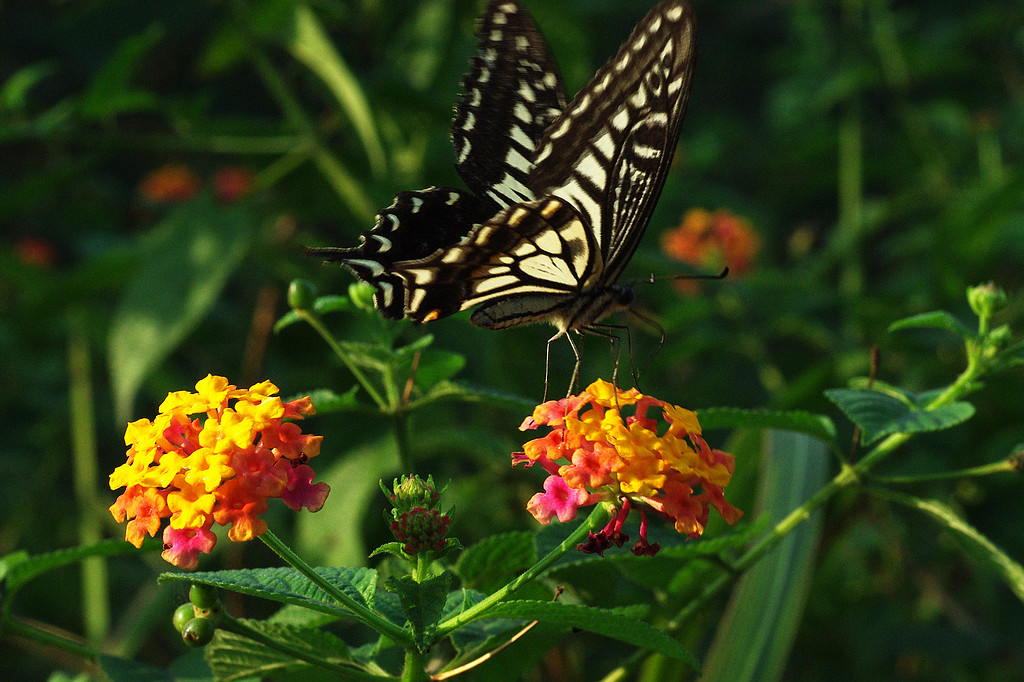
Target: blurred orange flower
[
  {"x": 171, "y": 183},
  {"x": 713, "y": 240}
]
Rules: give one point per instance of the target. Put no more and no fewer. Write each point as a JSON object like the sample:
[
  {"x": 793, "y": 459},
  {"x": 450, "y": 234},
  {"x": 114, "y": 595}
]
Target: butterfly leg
[{"x": 578, "y": 352}]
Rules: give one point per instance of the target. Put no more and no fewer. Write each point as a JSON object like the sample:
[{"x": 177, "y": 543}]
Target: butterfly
[{"x": 559, "y": 194}]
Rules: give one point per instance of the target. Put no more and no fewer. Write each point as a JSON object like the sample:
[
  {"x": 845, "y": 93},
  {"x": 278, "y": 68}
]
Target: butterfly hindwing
[
  {"x": 610, "y": 149},
  {"x": 510, "y": 95},
  {"x": 416, "y": 225},
  {"x": 533, "y": 248}
]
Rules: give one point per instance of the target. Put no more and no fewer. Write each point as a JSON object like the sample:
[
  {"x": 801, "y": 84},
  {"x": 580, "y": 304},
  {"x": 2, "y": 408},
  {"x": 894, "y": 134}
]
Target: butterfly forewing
[
  {"x": 510, "y": 95},
  {"x": 608, "y": 152}
]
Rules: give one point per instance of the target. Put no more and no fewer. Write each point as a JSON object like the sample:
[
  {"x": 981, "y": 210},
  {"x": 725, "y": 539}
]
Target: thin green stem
[
  {"x": 314, "y": 321},
  {"x": 365, "y": 615},
  {"x": 346, "y": 672},
  {"x": 402, "y": 442},
  {"x": 597, "y": 518},
  {"x": 95, "y": 606},
  {"x": 1001, "y": 467},
  {"x": 13, "y": 626}
]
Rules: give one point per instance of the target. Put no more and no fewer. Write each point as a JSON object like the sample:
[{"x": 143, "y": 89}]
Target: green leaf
[
  {"x": 621, "y": 624},
  {"x": 18, "y": 568},
  {"x": 423, "y": 603},
  {"x": 451, "y": 391},
  {"x": 326, "y": 401},
  {"x": 974, "y": 543},
  {"x": 938, "y": 319},
  {"x": 879, "y": 414},
  {"x": 185, "y": 264},
  {"x": 495, "y": 559},
  {"x": 14, "y": 91},
  {"x": 816, "y": 425},
  {"x": 233, "y": 656},
  {"x": 433, "y": 367},
  {"x": 110, "y": 91},
  {"x": 308, "y": 42},
  {"x": 288, "y": 586},
  {"x": 764, "y": 612},
  {"x": 333, "y": 304}
]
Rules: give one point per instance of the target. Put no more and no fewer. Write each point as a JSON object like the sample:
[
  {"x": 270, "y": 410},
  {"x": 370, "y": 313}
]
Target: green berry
[
  {"x": 198, "y": 632},
  {"x": 182, "y": 615},
  {"x": 203, "y": 596}
]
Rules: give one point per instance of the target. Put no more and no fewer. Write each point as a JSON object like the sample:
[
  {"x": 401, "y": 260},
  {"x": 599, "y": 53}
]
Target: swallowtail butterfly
[{"x": 560, "y": 195}]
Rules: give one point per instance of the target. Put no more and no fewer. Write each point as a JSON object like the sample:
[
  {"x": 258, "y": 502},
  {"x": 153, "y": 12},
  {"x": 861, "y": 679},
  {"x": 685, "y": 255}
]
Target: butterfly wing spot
[
  {"x": 674, "y": 14},
  {"x": 549, "y": 209},
  {"x": 452, "y": 198},
  {"x": 383, "y": 243},
  {"x": 496, "y": 37}
]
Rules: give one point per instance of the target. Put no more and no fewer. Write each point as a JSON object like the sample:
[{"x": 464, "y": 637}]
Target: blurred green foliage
[{"x": 875, "y": 146}]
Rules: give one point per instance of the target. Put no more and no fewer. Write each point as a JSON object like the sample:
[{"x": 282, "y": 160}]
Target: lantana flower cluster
[
  {"x": 214, "y": 456},
  {"x": 595, "y": 452}
]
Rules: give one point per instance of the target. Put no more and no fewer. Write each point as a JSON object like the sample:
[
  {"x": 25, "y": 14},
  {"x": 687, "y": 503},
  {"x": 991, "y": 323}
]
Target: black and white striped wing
[
  {"x": 416, "y": 225},
  {"x": 510, "y": 95},
  {"x": 537, "y": 253},
  {"x": 609, "y": 151}
]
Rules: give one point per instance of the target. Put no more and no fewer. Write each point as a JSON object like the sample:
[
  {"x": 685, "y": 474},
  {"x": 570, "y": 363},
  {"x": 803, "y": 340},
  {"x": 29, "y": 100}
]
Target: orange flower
[
  {"x": 221, "y": 469},
  {"x": 171, "y": 183},
  {"x": 598, "y": 451},
  {"x": 712, "y": 241}
]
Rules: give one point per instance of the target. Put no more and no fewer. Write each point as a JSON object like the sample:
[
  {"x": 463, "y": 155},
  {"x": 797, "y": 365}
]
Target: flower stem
[
  {"x": 314, "y": 321},
  {"x": 364, "y": 614},
  {"x": 1000, "y": 467},
  {"x": 598, "y": 518}
]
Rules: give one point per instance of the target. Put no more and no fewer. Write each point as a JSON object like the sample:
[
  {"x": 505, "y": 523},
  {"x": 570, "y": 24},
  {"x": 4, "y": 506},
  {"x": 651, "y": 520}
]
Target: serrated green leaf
[
  {"x": 817, "y": 425},
  {"x": 233, "y": 656},
  {"x": 879, "y": 414},
  {"x": 755, "y": 635},
  {"x": 392, "y": 548},
  {"x": 975, "y": 543},
  {"x": 937, "y": 319},
  {"x": 423, "y": 603},
  {"x": 495, "y": 558},
  {"x": 185, "y": 265},
  {"x": 621, "y": 624},
  {"x": 288, "y": 586}
]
